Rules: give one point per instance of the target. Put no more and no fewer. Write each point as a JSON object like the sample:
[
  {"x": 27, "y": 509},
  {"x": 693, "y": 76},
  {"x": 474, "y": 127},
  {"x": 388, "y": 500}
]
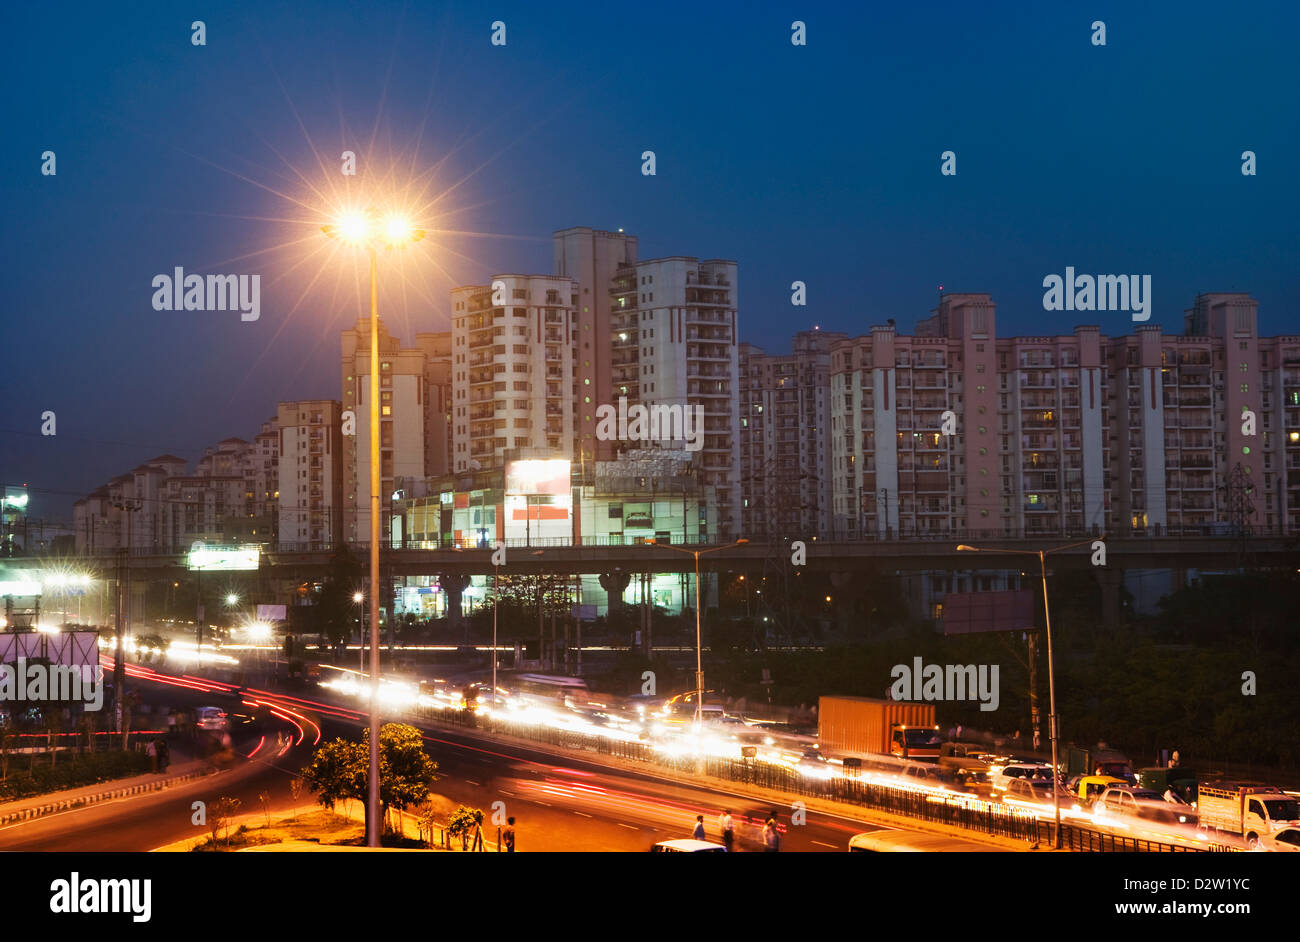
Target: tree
[
  {"x": 296, "y": 787},
  {"x": 337, "y": 772},
  {"x": 426, "y": 818},
  {"x": 464, "y": 823},
  {"x": 405, "y": 770},
  {"x": 223, "y": 809},
  {"x": 341, "y": 769}
]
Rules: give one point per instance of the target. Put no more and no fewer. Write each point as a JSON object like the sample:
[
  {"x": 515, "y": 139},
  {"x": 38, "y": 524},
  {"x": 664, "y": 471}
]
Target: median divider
[{"x": 55, "y": 805}]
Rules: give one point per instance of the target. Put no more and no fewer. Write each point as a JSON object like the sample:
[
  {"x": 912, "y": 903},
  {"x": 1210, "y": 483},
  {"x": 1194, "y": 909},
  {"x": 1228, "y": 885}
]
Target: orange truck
[{"x": 862, "y": 726}]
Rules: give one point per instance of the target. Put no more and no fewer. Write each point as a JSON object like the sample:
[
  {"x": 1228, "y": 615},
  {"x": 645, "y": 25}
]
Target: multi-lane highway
[{"x": 558, "y": 803}]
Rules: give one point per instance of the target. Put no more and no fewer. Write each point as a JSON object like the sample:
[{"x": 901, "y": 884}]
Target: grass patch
[{"x": 317, "y": 827}]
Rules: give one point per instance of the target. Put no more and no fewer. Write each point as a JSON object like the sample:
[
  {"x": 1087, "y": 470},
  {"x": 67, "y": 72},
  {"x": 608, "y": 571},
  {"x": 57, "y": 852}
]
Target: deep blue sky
[{"x": 818, "y": 163}]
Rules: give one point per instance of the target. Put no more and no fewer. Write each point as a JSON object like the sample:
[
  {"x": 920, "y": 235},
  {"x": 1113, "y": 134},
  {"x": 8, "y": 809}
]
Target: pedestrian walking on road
[
  {"x": 771, "y": 836},
  {"x": 151, "y": 751},
  {"x": 508, "y": 836},
  {"x": 728, "y": 829},
  {"x": 698, "y": 833}
]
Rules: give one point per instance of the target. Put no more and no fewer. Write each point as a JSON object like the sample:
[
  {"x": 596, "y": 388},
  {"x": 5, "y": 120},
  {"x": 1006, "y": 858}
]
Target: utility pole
[{"x": 128, "y": 506}]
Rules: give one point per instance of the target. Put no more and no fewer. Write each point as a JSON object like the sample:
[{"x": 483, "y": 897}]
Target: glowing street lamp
[{"x": 372, "y": 232}]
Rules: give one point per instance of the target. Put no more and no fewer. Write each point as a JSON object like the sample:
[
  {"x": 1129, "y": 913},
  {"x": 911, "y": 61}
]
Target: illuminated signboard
[
  {"x": 20, "y": 587},
  {"x": 15, "y": 498},
  {"x": 538, "y": 476},
  {"x": 224, "y": 558}
]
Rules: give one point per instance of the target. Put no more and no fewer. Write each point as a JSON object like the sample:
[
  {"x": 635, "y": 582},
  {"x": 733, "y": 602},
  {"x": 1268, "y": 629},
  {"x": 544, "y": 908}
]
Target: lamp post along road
[
  {"x": 699, "y": 648},
  {"x": 364, "y": 230},
  {"x": 1052, "y": 724}
]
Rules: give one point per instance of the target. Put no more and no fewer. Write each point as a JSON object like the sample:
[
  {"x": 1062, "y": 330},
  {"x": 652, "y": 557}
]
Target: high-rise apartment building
[
  {"x": 512, "y": 367},
  {"x": 310, "y": 479},
  {"x": 785, "y": 441},
  {"x": 674, "y": 343},
  {"x": 403, "y": 395},
  {"x": 593, "y": 258},
  {"x": 437, "y": 408},
  {"x": 1065, "y": 433}
]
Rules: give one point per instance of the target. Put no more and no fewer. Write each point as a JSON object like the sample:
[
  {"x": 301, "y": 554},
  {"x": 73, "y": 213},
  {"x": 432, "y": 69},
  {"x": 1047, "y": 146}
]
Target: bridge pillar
[
  {"x": 1177, "y": 578},
  {"x": 454, "y": 584},
  {"x": 615, "y": 584},
  {"x": 1111, "y": 579}
]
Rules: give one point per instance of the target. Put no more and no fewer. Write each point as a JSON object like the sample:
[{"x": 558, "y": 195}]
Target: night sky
[{"x": 817, "y": 163}]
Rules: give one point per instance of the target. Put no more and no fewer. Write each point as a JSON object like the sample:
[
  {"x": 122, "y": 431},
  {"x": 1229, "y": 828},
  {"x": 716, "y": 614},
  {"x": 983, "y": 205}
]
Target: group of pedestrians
[
  {"x": 727, "y": 828},
  {"x": 159, "y": 755}
]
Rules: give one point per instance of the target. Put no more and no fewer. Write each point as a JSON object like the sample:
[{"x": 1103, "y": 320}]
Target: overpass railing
[{"x": 1228, "y": 539}]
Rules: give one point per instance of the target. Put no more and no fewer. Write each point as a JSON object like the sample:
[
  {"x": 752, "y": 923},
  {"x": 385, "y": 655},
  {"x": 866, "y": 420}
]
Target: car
[
  {"x": 1086, "y": 790},
  {"x": 1036, "y": 792},
  {"x": 1128, "y": 801},
  {"x": 1001, "y": 777},
  {"x": 920, "y": 774},
  {"x": 814, "y": 764},
  {"x": 687, "y": 845},
  {"x": 1284, "y": 839},
  {"x": 213, "y": 719}
]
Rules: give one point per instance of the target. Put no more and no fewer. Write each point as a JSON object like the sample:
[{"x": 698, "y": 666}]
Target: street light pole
[
  {"x": 1051, "y": 674},
  {"x": 372, "y": 797},
  {"x": 496, "y": 576},
  {"x": 699, "y": 663},
  {"x": 1051, "y": 700},
  {"x": 365, "y": 229},
  {"x": 699, "y": 646}
]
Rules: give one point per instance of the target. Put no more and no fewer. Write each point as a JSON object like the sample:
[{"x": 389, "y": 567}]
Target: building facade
[
  {"x": 785, "y": 442},
  {"x": 593, "y": 259},
  {"x": 956, "y": 430},
  {"x": 512, "y": 369},
  {"x": 310, "y": 479},
  {"x": 402, "y": 422}
]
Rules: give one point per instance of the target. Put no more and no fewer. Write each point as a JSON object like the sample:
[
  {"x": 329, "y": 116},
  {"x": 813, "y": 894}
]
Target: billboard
[
  {"x": 271, "y": 613},
  {"x": 967, "y": 613},
  {"x": 538, "y": 476},
  {"x": 224, "y": 558}
]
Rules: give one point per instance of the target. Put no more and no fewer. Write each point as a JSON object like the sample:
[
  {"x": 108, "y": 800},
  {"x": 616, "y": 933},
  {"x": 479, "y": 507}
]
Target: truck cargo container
[{"x": 864, "y": 726}]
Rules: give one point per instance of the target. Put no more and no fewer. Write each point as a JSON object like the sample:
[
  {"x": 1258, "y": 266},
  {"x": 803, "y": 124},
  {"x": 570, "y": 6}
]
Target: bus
[{"x": 549, "y": 687}]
